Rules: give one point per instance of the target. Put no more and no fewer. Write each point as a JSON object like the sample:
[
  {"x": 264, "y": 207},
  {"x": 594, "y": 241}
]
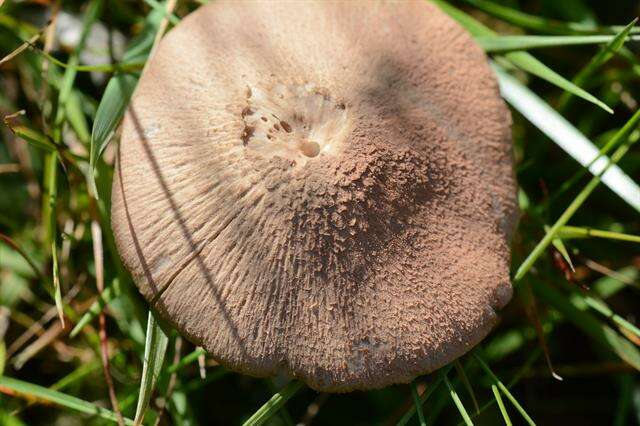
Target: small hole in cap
[{"x": 309, "y": 148}]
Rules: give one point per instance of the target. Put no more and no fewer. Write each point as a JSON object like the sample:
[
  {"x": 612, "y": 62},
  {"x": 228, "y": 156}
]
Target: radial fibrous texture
[{"x": 323, "y": 190}]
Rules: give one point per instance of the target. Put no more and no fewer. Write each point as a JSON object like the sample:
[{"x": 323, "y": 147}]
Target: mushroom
[{"x": 323, "y": 190}]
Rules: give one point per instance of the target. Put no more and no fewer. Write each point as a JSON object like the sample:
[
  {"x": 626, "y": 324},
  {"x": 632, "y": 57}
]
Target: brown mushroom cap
[{"x": 323, "y": 190}]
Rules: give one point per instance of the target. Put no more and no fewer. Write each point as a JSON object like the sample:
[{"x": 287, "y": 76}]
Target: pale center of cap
[{"x": 296, "y": 122}]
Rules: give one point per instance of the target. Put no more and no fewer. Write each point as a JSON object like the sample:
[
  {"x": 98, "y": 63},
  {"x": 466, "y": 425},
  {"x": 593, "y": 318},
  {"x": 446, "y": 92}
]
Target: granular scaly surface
[{"x": 323, "y": 190}]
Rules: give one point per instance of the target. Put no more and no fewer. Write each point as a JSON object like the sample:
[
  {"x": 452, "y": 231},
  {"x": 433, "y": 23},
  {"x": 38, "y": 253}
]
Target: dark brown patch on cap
[
  {"x": 286, "y": 126},
  {"x": 247, "y": 132}
]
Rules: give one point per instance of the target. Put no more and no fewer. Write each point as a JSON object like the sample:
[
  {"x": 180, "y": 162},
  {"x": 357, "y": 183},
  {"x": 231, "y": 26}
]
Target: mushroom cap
[{"x": 320, "y": 189}]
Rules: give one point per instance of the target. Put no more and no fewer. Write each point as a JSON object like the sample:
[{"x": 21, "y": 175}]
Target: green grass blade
[
  {"x": 274, "y": 404},
  {"x": 506, "y": 43},
  {"x": 110, "y": 111},
  {"x": 79, "y": 373},
  {"x": 6, "y": 418},
  {"x": 33, "y": 137},
  {"x": 56, "y": 281},
  {"x": 522, "y": 60},
  {"x": 536, "y": 23},
  {"x": 186, "y": 360},
  {"x": 51, "y": 195},
  {"x": 110, "y": 293},
  {"x": 597, "y": 61},
  {"x": 116, "y": 67},
  {"x": 569, "y": 232},
  {"x": 608, "y": 51},
  {"x": 76, "y": 118},
  {"x": 139, "y": 48},
  {"x": 3, "y": 356},
  {"x": 567, "y": 137},
  {"x": 51, "y": 160},
  {"x": 503, "y": 409},
  {"x": 118, "y": 93},
  {"x": 616, "y": 281},
  {"x": 467, "y": 384},
  {"x": 159, "y": 7},
  {"x": 504, "y": 390},
  {"x": 562, "y": 249},
  {"x": 579, "y": 200},
  {"x": 30, "y": 391},
  {"x": 155, "y": 349},
  {"x": 622, "y": 410},
  {"x": 476, "y": 28},
  {"x": 91, "y": 15},
  {"x": 523, "y": 368},
  {"x": 528, "y": 63},
  {"x": 458, "y": 402},
  {"x": 440, "y": 374},
  {"x": 417, "y": 404},
  {"x": 18, "y": 50},
  {"x": 602, "y": 308},
  {"x": 49, "y": 219},
  {"x": 575, "y": 310}
]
